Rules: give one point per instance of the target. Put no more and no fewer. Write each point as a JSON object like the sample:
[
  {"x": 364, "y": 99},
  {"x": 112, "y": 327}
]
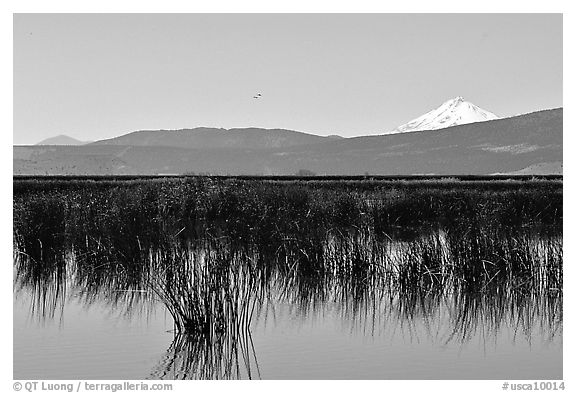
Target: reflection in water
[
  {"x": 46, "y": 284},
  {"x": 433, "y": 261},
  {"x": 449, "y": 285},
  {"x": 199, "y": 357}
]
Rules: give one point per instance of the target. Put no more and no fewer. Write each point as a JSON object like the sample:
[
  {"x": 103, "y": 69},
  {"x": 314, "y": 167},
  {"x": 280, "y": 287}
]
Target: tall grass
[
  {"x": 211, "y": 250},
  {"x": 207, "y": 292}
]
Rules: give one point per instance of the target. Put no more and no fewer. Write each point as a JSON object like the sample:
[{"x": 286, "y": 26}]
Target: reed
[
  {"x": 205, "y": 246},
  {"x": 207, "y": 292}
]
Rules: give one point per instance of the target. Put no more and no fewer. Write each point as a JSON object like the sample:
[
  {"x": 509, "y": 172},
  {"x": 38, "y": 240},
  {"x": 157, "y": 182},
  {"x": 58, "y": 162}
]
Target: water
[
  {"x": 287, "y": 282},
  {"x": 373, "y": 338}
]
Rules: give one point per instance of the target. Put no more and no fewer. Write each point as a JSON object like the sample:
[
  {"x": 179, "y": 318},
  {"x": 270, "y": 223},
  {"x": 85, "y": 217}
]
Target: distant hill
[
  {"x": 496, "y": 146},
  {"x": 61, "y": 140},
  {"x": 216, "y": 138},
  {"x": 530, "y": 143}
]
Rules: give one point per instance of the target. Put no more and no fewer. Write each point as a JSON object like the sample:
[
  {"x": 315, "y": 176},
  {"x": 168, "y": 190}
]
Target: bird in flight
[{"x": 257, "y": 96}]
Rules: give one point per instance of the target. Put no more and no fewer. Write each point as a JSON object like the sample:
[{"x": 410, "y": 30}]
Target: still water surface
[
  {"x": 338, "y": 280},
  {"x": 98, "y": 341}
]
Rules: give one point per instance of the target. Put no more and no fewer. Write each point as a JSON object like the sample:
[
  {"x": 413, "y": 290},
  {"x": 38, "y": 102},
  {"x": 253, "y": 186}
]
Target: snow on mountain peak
[{"x": 451, "y": 113}]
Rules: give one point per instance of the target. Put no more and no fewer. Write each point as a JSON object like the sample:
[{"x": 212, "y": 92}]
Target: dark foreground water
[{"x": 265, "y": 281}]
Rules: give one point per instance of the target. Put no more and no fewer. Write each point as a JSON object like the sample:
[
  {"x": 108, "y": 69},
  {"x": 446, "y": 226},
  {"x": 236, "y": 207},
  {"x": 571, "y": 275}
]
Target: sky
[{"x": 96, "y": 76}]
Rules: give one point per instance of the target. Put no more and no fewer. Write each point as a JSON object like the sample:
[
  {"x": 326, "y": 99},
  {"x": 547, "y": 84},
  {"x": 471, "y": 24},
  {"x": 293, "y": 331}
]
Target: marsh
[{"x": 210, "y": 278}]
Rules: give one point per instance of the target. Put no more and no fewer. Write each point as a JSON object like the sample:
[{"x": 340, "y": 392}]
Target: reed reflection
[{"x": 220, "y": 263}]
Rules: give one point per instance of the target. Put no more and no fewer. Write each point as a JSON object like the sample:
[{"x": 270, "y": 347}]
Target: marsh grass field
[{"x": 454, "y": 258}]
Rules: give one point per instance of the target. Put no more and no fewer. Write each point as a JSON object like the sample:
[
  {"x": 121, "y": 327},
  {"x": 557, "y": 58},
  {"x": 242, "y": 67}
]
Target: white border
[{"x": 248, "y": 6}]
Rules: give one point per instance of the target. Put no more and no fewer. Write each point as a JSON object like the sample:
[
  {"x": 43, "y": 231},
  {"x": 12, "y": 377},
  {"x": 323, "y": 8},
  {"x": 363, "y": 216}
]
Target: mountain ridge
[
  {"x": 62, "y": 140},
  {"x": 211, "y": 138},
  {"x": 531, "y": 142}
]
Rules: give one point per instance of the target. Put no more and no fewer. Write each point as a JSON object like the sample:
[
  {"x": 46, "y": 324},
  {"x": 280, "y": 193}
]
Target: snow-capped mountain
[{"x": 451, "y": 113}]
